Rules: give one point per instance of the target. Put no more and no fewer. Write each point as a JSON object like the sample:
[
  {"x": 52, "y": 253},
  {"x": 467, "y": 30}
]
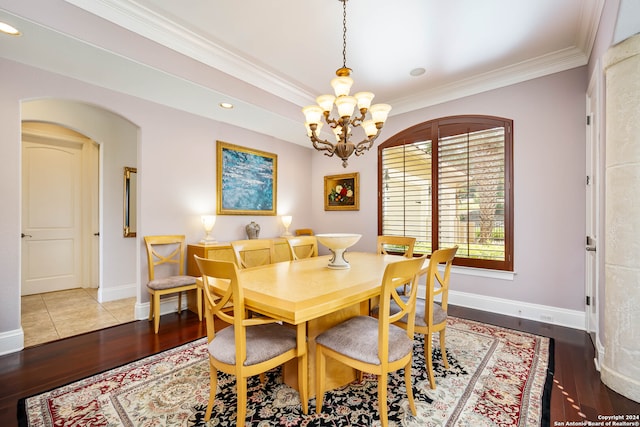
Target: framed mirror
[{"x": 130, "y": 197}]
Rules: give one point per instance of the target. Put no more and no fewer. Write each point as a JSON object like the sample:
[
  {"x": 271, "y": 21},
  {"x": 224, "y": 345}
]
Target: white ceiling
[{"x": 272, "y": 57}]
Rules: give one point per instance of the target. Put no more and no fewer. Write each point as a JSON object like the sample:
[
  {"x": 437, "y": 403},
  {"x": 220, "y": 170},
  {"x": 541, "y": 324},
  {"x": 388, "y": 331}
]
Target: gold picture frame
[
  {"x": 342, "y": 192},
  {"x": 247, "y": 180}
]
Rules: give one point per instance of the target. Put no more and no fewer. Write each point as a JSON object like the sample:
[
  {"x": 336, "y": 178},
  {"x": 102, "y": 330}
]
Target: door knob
[{"x": 25, "y": 235}]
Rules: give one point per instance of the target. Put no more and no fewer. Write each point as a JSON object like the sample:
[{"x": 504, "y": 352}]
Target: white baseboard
[
  {"x": 117, "y": 292},
  {"x": 599, "y": 354},
  {"x": 540, "y": 313},
  {"x": 168, "y": 304},
  {"x": 11, "y": 341}
]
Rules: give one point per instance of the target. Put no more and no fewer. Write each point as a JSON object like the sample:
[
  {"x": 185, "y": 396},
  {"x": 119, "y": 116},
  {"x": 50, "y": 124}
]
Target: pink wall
[
  {"x": 176, "y": 168},
  {"x": 549, "y": 165}
]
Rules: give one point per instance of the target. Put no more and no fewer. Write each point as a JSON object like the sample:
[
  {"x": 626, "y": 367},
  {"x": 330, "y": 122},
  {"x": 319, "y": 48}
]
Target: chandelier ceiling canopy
[{"x": 345, "y": 105}]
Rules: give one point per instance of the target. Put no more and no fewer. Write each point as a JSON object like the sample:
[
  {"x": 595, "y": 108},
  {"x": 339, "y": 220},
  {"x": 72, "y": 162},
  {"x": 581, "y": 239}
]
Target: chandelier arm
[
  {"x": 356, "y": 121},
  {"x": 322, "y": 145},
  {"x": 365, "y": 144},
  {"x": 331, "y": 121}
]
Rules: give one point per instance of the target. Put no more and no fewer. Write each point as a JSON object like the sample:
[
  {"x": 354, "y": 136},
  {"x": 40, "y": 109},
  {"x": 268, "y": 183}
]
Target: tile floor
[{"x": 54, "y": 315}]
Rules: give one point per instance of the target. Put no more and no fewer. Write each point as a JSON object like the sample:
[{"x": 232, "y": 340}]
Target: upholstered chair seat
[
  {"x": 439, "y": 315},
  {"x": 264, "y": 342},
  {"x": 354, "y": 338},
  {"x": 171, "y": 282}
]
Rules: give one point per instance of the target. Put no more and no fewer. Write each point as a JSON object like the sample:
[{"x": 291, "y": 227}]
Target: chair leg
[
  {"x": 303, "y": 383},
  {"x": 409, "y": 387},
  {"x": 199, "y": 302},
  {"x": 156, "y": 311},
  {"x": 429, "y": 358},
  {"x": 241, "y": 385},
  {"x": 151, "y": 306},
  {"x": 213, "y": 385},
  {"x": 443, "y": 350},
  {"x": 320, "y": 366},
  {"x": 179, "y": 302},
  {"x": 382, "y": 399}
]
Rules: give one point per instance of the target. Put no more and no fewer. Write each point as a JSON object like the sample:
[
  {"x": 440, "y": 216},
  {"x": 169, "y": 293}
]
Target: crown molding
[
  {"x": 562, "y": 60},
  {"x": 134, "y": 17},
  {"x": 589, "y": 23},
  {"x": 143, "y": 21}
]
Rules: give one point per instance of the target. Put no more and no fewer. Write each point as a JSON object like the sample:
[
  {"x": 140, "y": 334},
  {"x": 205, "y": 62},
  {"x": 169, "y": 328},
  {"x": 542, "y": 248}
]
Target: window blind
[{"x": 448, "y": 182}]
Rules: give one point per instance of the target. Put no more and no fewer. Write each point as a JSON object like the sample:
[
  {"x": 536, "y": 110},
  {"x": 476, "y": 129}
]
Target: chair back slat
[
  {"x": 302, "y": 247},
  {"x": 396, "y": 245},
  {"x": 253, "y": 252},
  {"x": 157, "y": 246},
  {"x": 397, "y": 274},
  {"x": 437, "y": 282}
]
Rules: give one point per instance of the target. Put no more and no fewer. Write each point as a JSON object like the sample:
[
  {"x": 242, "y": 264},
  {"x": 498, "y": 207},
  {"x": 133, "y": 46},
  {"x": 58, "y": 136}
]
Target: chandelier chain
[
  {"x": 344, "y": 33},
  {"x": 352, "y": 111}
]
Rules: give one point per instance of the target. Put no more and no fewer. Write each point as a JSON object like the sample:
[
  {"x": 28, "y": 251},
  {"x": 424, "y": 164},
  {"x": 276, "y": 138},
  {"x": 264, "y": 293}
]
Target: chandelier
[{"x": 345, "y": 106}]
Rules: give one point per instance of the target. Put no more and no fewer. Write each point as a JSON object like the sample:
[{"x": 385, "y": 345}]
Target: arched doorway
[{"x": 114, "y": 270}]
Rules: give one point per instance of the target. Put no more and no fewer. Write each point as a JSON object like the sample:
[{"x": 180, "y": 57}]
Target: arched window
[{"x": 449, "y": 182}]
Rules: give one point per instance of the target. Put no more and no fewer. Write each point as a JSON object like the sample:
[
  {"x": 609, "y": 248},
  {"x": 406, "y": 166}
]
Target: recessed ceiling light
[
  {"x": 226, "y": 105},
  {"x": 8, "y": 29},
  {"x": 417, "y": 71}
]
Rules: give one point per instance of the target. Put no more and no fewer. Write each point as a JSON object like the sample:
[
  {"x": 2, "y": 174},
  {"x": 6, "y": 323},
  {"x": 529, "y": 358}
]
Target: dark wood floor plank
[{"x": 51, "y": 365}]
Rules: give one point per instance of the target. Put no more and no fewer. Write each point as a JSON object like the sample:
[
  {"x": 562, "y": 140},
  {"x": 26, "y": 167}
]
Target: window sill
[{"x": 482, "y": 272}]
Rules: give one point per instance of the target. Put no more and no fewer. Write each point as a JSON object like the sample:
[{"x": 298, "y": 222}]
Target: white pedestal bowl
[{"x": 337, "y": 244}]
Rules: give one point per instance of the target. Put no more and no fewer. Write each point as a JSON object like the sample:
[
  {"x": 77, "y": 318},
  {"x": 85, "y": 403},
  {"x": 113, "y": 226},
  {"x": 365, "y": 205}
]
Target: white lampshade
[
  {"x": 341, "y": 85},
  {"x": 326, "y": 102},
  {"x": 379, "y": 112},
  {"x": 286, "y": 221},
  {"x": 364, "y": 99},
  {"x": 369, "y": 127},
  {"x": 309, "y": 129},
  {"x": 312, "y": 113},
  {"x": 345, "y": 105},
  {"x": 208, "y": 221}
]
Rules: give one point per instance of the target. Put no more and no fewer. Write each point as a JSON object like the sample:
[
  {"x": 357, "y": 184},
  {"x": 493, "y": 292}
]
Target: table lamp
[
  {"x": 208, "y": 221},
  {"x": 286, "y": 221}
]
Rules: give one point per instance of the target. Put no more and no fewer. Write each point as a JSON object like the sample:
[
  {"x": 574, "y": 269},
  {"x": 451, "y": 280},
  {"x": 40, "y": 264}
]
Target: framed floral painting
[{"x": 342, "y": 192}]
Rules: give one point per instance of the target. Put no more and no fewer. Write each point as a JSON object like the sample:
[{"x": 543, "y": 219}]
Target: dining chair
[
  {"x": 249, "y": 345},
  {"x": 302, "y": 247},
  {"x": 165, "y": 258},
  {"x": 397, "y": 245},
  {"x": 431, "y": 316},
  {"x": 253, "y": 252},
  {"x": 353, "y": 341},
  {"x": 402, "y": 245},
  {"x": 304, "y": 232}
]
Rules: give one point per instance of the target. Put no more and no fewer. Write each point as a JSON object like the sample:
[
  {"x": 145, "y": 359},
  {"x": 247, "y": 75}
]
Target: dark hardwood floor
[{"x": 577, "y": 393}]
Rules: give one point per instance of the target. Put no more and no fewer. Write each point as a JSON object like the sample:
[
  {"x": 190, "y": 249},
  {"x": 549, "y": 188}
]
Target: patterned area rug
[{"x": 497, "y": 377}]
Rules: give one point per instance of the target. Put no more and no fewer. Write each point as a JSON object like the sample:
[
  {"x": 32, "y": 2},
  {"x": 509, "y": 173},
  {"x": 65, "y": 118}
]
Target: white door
[
  {"x": 592, "y": 214},
  {"x": 51, "y": 221}
]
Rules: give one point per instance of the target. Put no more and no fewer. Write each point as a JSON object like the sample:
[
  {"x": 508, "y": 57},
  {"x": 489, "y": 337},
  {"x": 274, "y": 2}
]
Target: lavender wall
[
  {"x": 176, "y": 165},
  {"x": 549, "y": 165}
]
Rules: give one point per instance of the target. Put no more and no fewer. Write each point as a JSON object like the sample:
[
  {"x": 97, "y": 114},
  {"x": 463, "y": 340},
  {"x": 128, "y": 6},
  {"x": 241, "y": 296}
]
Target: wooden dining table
[{"x": 311, "y": 297}]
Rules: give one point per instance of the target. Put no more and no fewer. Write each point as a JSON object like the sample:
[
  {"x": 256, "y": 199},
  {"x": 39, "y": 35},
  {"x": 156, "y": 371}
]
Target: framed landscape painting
[
  {"x": 246, "y": 181},
  {"x": 342, "y": 192}
]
